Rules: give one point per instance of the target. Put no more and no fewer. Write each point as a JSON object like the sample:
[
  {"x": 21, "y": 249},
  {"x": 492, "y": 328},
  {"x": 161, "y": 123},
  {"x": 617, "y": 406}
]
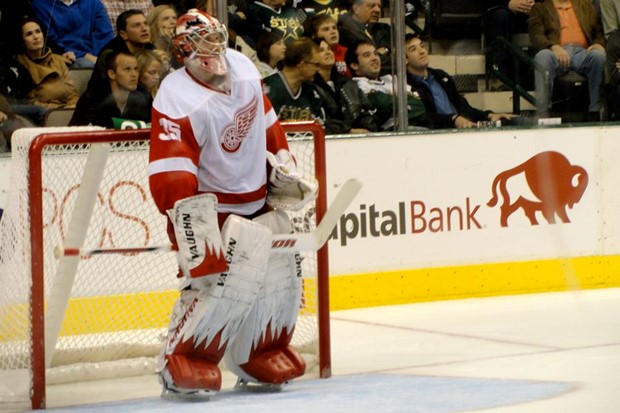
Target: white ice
[{"x": 553, "y": 352}]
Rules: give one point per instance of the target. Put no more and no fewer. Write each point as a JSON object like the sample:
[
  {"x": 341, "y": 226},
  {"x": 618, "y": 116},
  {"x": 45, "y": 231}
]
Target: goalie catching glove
[
  {"x": 198, "y": 235},
  {"x": 287, "y": 190}
]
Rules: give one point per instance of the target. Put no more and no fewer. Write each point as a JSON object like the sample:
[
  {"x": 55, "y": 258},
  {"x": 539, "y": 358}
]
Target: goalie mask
[{"x": 200, "y": 43}]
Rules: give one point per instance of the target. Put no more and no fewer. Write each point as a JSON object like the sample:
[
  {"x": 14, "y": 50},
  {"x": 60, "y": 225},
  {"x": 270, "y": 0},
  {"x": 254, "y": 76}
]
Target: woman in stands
[
  {"x": 150, "y": 69},
  {"x": 162, "y": 22},
  {"x": 323, "y": 26},
  {"x": 343, "y": 99},
  {"x": 270, "y": 48},
  {"x": 53, "y": 85}
]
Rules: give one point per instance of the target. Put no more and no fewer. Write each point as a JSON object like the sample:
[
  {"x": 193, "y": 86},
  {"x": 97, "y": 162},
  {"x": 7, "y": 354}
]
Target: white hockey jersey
[{"x": 204, "y": 140}]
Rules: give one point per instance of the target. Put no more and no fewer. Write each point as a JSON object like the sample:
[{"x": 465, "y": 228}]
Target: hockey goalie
[{"x": 220, "y": 169}]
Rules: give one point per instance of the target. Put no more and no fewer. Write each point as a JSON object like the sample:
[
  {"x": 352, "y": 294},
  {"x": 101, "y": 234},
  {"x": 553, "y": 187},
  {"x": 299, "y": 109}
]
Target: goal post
[{"x": 99, "y": 317}]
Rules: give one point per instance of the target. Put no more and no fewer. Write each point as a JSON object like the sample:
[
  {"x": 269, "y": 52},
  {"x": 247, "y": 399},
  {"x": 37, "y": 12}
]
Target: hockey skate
[
  {"x": 253, "y": 387},
  {"x": 174, "y": 393}
]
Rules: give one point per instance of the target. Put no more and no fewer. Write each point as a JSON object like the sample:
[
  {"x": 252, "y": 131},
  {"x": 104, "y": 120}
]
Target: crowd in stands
[{"x": 326, "y": 60}]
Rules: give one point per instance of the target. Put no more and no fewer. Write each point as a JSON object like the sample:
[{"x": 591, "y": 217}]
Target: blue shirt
[
  {"x": 440, "y": 97},
  {"x": 81, "y": 27}
]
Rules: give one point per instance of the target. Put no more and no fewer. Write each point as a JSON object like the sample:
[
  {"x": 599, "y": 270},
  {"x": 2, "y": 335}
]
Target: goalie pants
[{"x": 247, "y": 314}]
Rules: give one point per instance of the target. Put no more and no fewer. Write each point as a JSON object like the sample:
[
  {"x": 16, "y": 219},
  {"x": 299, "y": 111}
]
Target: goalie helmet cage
[{"x": 101, "y": 317}]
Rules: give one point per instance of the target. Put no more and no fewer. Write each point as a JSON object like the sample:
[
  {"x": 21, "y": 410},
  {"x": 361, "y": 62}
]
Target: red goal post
[{"x": 99, "y": 317}]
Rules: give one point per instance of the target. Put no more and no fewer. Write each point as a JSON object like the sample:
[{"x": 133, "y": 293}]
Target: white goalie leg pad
[
  {"x": 277, "y": 304},
  {"x": 221, "y": 303},
  {"x": 198, "y": 236}
]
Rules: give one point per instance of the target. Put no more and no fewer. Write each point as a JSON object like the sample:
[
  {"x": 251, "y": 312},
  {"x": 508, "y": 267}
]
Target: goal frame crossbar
[{"x": 37, "y": 309}]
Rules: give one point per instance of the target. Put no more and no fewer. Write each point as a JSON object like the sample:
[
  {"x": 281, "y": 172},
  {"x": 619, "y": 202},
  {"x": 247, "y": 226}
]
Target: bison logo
[{"x": 550, "y": 177}]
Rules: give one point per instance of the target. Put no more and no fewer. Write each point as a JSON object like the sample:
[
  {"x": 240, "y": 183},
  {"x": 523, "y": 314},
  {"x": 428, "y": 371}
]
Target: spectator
[
  {"x": 270, "y": 51},
  {"x": 9, "y": 123},
  {"x": 237, "y": 20},
  {"x": 53, "y": 84},
  {"x": 78, "y": 29},
  {"x": 569, "y": 37},
  {"x": 11, "y": 14},
  {"x": 150, "y": 69},
  {"x": 365, "y": 65},
  {"x": 270, "y": 15},
  {"x": 15, "y": 80},
  {"x": 123, "y": 100},
  {"x": 162, "y": 21},
  {"x": 115, "y": 7},
  {"x": 362, "y": 22},
  {"x": 613, "y": 68},
  {"x": 343, "y": 97},
  {"x": 325, "y": 27},
  {"x": 181, "y": 6},
  {"x": 445, "y": 107},
  {"x": 503, "y": 18},
  {"x": 333, "y": 8},
  {"x": 610, "y": 16},
  {"x": 133, "y": 36},
  {"x": 291, "y": 91}
]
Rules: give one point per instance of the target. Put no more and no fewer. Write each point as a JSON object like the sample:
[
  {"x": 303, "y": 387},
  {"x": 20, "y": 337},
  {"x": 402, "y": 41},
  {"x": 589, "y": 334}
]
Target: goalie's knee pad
[
  {"x": 208, "y": 317},
  {"x": 261, "y": 351}
]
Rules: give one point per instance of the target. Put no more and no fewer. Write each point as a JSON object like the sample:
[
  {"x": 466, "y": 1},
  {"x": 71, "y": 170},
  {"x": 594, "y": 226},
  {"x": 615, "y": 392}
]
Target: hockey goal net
[{"x": 77, "y": 318}]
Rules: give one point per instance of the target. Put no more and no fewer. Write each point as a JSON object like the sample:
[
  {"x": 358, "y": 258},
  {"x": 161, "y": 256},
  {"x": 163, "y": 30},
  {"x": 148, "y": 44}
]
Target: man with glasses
[{"x": 291, "y": 91}]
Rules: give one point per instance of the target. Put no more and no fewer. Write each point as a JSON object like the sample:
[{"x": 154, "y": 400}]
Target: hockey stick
[{"x": 310, "y": 241}]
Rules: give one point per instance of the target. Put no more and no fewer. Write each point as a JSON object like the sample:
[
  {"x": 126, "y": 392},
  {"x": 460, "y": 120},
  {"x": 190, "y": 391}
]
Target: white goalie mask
[{"x": 200, "y": 43}]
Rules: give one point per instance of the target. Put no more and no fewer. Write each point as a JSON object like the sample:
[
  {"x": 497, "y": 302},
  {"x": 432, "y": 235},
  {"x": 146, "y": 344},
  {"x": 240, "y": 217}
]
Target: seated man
[
  {"x": 613, "y": 68},
  {"x": 445, "y": 107},
  {"x": 114, "y": 8},
  {"x": 269, "y": 15},
  {"x": 362, "y": 23},
  {"x": 610, "y": 16},
  {"x": 133, "y": 36},
  {"x": 333, "y": 8},
  {"x": 123, "y": 100},
  {"x": 291, "y": 91},
  {"x": 365, "y": 65},
  {"x": 569, "y": 37},
  {"x": 78, "y": 29},
  {"x": 503, "y": 18}
]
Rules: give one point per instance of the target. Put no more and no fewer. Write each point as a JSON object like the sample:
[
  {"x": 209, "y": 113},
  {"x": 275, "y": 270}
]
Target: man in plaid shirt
[{"x": 115, "y": 7}]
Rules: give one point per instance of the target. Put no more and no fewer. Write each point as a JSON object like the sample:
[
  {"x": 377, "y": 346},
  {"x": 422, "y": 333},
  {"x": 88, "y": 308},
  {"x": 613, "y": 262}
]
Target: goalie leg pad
[
  {"x": 261, "y": 351},
  {"x": 198, "y": 236},
  {"x": 209, "y": 316}
]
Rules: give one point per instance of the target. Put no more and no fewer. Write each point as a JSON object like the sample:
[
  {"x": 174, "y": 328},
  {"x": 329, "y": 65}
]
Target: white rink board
[
  {"x": 450, "y": 170},
  {"x": 442, "y": 171}
]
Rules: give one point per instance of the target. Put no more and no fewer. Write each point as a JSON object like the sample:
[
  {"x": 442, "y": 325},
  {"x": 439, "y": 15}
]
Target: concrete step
[
  {"x": 499, "y": 102},
  {"x": 458, "y": 64}
]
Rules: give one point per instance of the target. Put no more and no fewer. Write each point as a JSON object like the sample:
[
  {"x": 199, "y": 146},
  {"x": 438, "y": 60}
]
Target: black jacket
[
  {"x": 95, "y": 108},
  {"x": 347, "y": 103},
  {"x": 434, "y": 120}
]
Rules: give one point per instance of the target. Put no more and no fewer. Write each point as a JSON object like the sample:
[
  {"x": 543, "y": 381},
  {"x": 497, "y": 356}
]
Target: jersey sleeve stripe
[
  {"x": 270, "y": 118},
  {"x": 172, "y": 165}
]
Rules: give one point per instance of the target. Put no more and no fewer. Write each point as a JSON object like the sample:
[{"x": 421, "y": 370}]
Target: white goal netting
[{"x": 105, "y": 315}]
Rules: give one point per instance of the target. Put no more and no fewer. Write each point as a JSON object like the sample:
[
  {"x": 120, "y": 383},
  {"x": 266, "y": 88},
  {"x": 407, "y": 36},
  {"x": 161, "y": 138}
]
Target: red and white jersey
[{"x": 204, "y": 140}]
